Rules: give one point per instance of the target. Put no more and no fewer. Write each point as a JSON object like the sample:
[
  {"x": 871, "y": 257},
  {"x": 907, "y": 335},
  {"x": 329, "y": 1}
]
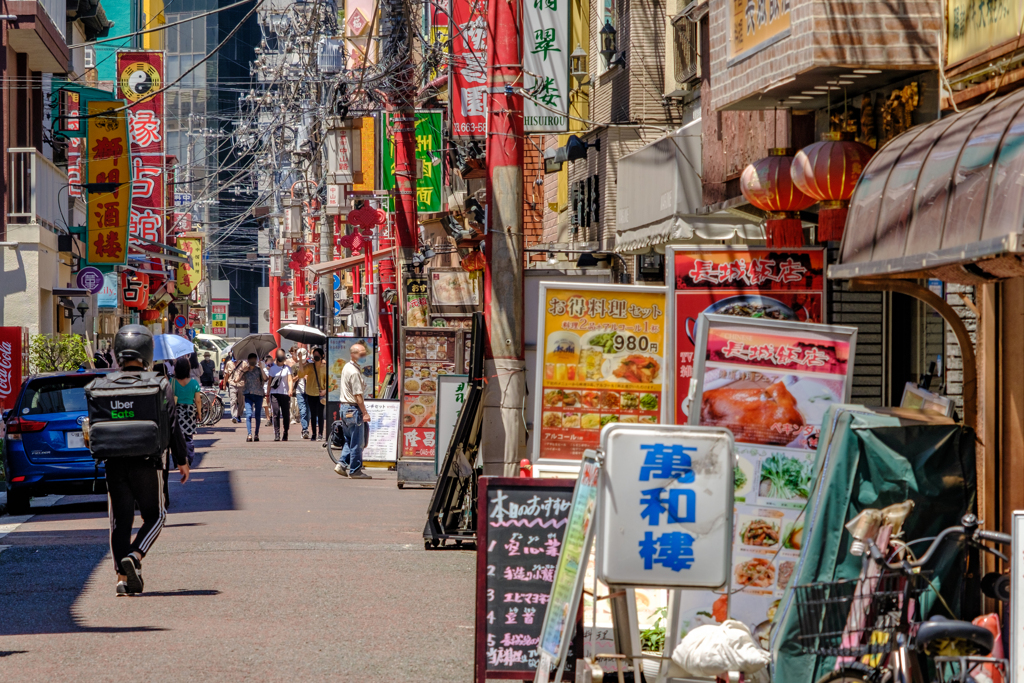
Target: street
[{"x": 270, "y": 567}]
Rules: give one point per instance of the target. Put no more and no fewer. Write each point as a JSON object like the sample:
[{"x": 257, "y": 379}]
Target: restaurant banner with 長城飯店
[
  {"x": 752, "y": 282},
  {"x": 770, "y": 382},
  {"x": 601, "y": 359}
]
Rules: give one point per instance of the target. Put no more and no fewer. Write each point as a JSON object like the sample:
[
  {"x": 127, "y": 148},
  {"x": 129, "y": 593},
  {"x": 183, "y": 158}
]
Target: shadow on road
[
  {"x": 180, "y": 593},
  {"x": 8, "y": 653}
]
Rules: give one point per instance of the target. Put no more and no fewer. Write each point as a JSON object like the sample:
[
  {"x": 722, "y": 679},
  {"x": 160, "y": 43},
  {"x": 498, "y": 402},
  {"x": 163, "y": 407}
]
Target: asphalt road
[{"x": 271, "y": 568}]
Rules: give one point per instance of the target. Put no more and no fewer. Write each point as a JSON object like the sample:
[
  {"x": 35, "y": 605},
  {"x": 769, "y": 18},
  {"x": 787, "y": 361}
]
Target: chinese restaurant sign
[
  {"x": 417, "y": 308},
  {"x": 602, "y": 362},
  {"x": 521, "y": 525},
  {"x": 546, "y": 52},
  {"x": 664, "y": 506},
  {"x": 973, "y": 26},
  {"x": 770, "y": 382},
  {"x": 428, "y": 152},
  {"x": 758, "y": 283},
  {"x": 140, "y": 77},
  {"x": 429, "y": 353},
  {"x": 756, "y": 24},
  {"x": 469, "y": 68},
  {"x": 75, "y": 143},
  {"x": 190, "y": 273},
  {"x": 108, "y": 162}
]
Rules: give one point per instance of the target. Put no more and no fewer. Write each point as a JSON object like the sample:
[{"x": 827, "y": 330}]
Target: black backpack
[{"x": 130, "y": 415}]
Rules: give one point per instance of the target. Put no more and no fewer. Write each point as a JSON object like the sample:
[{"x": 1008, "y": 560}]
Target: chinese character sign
[
  {"x": 108, "y": 162},
  {"x": 777, "y": 284},
  {"x": 665, "y": 506},
  {"x": 140, "y": 78},
  {"x": 546, "y": 53},
  {"x": 190, "y": 273},
  {"x": 429, "y": 153},
  {"x": 756, "y": 24},
  {"x": 770, "y": 382},
  {"x": 135, "y": 290},
  {"x": 470, "y": 48},
  {"x": 522, "y": 523},
  {"x": 75, "y": 144},
  {"x": 602, "y": 362}
]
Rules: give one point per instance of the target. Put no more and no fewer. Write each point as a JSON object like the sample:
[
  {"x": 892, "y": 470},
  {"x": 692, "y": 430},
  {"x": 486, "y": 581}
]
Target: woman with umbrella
[{"x": 254, "y": 376}]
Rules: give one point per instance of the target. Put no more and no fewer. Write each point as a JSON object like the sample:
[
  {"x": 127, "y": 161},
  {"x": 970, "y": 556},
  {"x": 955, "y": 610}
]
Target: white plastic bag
[{"x": 709, "y": 651}]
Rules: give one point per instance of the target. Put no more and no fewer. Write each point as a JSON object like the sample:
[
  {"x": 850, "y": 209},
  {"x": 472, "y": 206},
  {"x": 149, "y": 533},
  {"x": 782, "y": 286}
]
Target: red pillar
[{"x": 275, "y": 307}]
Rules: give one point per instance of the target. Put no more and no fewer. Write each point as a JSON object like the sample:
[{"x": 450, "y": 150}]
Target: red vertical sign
[
  {"x": 73, "y": 108},
  {"x": 10, "y": 366},
  {"x": 470, "y": 49},
  {"x": 140, "y": 77}
]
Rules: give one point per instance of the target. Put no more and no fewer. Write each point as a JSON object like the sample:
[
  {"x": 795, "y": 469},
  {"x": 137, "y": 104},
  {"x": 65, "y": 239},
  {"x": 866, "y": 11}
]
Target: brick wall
[
  {"x": 899, "y": 35},
  {"x": 533, "y": 195}
]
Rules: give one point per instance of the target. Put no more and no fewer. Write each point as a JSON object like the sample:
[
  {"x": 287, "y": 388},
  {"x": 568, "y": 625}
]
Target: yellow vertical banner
[
  {"x": 108, "y": 162},
  {"x": 190, "y": 273}
]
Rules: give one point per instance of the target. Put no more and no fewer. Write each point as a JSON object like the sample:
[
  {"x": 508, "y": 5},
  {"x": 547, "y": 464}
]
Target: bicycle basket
[{"x": 855, "y": 617}]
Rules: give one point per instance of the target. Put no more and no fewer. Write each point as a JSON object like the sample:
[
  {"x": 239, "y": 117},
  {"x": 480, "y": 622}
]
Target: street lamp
[
  {"x": 607, "y": 41},
  {"x": 578, "y": 65},
  {"x": 69, "y": 309}
]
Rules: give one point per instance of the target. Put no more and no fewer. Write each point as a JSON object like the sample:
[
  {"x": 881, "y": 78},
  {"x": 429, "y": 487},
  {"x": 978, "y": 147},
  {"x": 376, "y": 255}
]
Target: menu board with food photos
[
  {"x": 428, "y": 352},
  {"x": 770, "y": 382},
  {"x": 602, "y": 361}
]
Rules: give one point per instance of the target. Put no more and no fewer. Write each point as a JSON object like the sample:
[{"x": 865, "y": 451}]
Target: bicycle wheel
[
  {"x": 333, "y": 452},
  {"x": 205, "y": 407},
  {"x": 217, "y": 411}
]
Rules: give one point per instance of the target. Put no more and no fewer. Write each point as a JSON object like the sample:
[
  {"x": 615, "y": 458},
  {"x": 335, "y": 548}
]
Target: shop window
[{"x": 585, "y": 202}]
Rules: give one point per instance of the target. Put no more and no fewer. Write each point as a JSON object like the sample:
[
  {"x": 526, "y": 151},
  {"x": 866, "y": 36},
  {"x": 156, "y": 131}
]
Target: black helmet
[{"x": 134, "y": 342}]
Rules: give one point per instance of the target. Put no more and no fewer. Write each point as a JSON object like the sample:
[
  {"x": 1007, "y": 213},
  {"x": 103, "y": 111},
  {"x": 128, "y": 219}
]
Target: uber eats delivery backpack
[{"x": 129, "y": 415}]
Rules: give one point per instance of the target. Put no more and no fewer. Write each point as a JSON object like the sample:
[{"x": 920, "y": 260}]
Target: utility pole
[
  {"x": 504, "y": 437},
  {"x": 403, "y": 121}
]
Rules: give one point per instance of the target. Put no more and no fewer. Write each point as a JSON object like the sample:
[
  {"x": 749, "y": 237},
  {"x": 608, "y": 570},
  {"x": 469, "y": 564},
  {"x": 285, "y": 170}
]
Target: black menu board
[{"x": 519, "y": 536}]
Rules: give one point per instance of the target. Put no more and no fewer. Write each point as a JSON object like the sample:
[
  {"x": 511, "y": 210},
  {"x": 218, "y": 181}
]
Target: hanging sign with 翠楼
[
  {"x": 601, "y": 359},
  {"x": 469, "y": 68},
  {"x": 546, "y": 52},
  {"x": 140, "y": 80},
  {"x": 108, "y": 162},
  {"x": 428, "y": 154},
  {"x": 520, "y": 529}
]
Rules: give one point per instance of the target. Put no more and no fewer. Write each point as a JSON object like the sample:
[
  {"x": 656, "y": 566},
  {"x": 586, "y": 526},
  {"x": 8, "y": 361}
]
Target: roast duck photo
[{"x": 750, "y": 412}]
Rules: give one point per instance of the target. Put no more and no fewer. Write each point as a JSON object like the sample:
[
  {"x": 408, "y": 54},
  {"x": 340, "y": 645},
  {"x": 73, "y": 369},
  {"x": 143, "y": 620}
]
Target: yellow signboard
[
  {"x": 755, "y": 24},
  {"x": 108, "y": 162},
  {"x": 190, "y": 273},
  {"x": 974, "y": 26},
  {"x": 601, "y": 360},
  {"x": 368, "y": 153}
]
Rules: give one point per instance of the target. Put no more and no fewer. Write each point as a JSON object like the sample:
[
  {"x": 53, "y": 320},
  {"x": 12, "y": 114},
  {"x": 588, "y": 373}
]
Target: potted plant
[{"x": 652, "y": 643}]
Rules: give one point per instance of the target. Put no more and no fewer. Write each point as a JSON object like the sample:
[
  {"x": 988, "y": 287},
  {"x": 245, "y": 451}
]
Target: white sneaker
[{"x": 341, "y": 469}]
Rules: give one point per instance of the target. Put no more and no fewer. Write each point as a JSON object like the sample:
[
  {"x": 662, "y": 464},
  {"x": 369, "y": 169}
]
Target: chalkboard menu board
[{"x": 519, "y": 538}]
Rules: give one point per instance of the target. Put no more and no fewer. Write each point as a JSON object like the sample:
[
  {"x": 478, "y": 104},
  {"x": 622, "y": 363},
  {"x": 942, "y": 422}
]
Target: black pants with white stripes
[{"x": 128, "y": 484}]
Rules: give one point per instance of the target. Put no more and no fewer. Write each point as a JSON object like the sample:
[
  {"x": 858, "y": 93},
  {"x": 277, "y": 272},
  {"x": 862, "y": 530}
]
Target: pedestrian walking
[
  {"x": 254, "y": 376},
  {"x": 209, "y": 370},
  {"x": 315, "y": 394},
  {"x": 267, "y": 401},
  {"x": 299, "y": 413},
  {"x": 280, "y": 388},
  {"x": 190, "y": 404},
  {"x": 195, "y": 369},
  {"x": 137, "y": 480},
  {"x": 236, "y": 390},
  {"x": 353, "y": 416}
]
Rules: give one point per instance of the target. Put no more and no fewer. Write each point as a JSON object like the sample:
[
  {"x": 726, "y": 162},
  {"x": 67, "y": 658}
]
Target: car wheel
[{"x": 18, "y": 503}]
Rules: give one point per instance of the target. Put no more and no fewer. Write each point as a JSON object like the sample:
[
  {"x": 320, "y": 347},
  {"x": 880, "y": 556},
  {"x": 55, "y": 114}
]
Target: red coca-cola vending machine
[{"x": 12, "y": 365}]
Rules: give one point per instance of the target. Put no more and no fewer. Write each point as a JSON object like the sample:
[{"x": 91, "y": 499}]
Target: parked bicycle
[
  {"x": 213, "y": 406},
  {"x": 869, "y": 624},
  {"x": 334, "y": 442}
]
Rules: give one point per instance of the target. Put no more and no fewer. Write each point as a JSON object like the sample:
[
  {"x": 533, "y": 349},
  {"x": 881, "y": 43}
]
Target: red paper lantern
[
  {"x": 149, "y": 316},
  {"x": 828, "y": 171},
  {"x": 474, "y": 264},
  {"x": 768, "y": 185}
]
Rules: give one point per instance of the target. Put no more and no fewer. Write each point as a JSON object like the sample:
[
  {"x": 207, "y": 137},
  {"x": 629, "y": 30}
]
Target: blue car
[{"x": 45, "y": 452}]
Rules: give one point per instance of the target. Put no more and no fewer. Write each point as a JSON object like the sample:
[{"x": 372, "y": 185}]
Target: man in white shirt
[
  {"x": 280, "y": 385},
  {"x": 353, "y": 415}
]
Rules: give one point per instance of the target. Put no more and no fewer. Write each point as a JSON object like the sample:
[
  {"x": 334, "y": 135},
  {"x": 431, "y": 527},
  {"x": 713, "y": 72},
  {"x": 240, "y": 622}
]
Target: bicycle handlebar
[{"x": 969, "y": 528}]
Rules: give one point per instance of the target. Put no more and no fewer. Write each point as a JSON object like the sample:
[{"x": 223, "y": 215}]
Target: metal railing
[{"x": 35, "y": 189}]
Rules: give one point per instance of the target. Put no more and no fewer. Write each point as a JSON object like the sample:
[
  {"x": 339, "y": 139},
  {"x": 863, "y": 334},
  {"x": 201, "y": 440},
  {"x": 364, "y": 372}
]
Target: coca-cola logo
[{"x": 6, "y": 363}]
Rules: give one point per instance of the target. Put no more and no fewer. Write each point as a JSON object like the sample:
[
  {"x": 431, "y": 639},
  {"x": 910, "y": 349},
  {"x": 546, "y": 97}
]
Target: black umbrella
[
  {"x": 260, "y": 344},
  {"x": 302, "y": 334}
]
